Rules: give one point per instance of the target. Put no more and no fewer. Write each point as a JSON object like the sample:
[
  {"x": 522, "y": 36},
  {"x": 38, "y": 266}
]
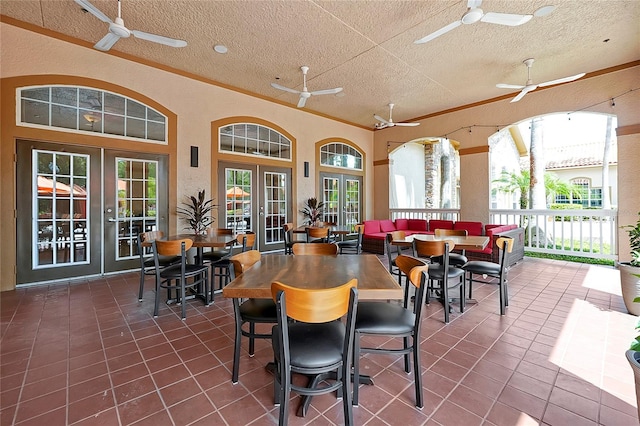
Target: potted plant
[
  {"x": 630, "y": 271},
  {"x": 196, "y": 212},
  {"x": 313, "y": 210},
  {"x": 633, "y": 356}
]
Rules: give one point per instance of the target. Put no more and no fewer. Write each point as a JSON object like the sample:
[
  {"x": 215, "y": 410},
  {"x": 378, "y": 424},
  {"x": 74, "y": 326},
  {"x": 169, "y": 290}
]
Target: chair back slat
[
  {"x": 500, "y": 242},
  {"x": 424, "y": 248},
  {"x": 315, "y": 305},
  {"x": 315, "y": 248},
  {"x": 172, "y": 247},
  {"x": 412, "y": 268},
  {"x": 450, "y": 232},
  {"x": 219, "y": 231},
  {"x": 151, "y": 236},
  {"x": 243, "y": 261}
]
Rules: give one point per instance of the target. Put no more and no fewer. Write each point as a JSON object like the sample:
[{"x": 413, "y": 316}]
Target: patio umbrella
[{"x": 237, "y": 192}]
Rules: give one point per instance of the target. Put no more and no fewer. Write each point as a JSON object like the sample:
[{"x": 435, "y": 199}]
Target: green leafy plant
[
  {"x": 313, "y": 210},
  {"x": 196, "y": 212},
  {"x": 634, "y": 241}
]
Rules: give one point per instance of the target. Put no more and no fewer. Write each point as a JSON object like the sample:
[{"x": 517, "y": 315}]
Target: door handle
[{"x": 112, "y": 219}]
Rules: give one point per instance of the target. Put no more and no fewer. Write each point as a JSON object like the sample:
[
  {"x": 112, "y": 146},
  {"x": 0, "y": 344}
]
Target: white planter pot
[
  {"x": 634, "y": 359},
  {"x": 630, "y": 283}
]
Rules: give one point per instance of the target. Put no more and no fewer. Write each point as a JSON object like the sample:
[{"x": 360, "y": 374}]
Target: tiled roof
[{"x": 579, "y": 155}]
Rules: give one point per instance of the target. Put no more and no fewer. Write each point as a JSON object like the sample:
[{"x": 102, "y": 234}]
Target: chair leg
[
  {"x": 183, "y": 301},
  {"x": 417, "y": 372},
  {"x": 462, "y": 297},
  {"x": 356, "y": 368},
  {"x": 407, "y": 361},
  {"x": 252, "y": 332},
  {"x": 285, "y": 391},
  {"x": 470, "y": 284},
  {"x": 346, "y": 395},
  {"x": 157, "y": 301},
  {"x": 445, "y": 301},
  {"x": 141, "y": 285},
  {"x": 236, "y": 347}
]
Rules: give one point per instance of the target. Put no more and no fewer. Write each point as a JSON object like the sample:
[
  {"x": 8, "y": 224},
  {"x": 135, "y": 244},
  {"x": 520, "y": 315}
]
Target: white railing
[
  {"x": 444, "y": 214},
  {"x": 585, "y": 233}
]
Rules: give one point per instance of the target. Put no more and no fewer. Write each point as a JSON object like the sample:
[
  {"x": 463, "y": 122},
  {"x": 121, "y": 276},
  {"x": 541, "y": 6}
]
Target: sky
[{"x": 570, "y": 129}]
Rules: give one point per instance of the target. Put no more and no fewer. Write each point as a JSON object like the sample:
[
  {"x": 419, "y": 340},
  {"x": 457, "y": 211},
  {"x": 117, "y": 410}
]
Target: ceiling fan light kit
[{"x": 118, "y": 30}]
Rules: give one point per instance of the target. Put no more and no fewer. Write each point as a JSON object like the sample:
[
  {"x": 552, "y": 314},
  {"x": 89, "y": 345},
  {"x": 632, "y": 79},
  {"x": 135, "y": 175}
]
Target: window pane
[
  {"x": 64, "y": 96},
  {"x": 34, "y": 112},
  {"x": 39, "y": 93},
  {"x": 64, "y": 117},
  {"x": 114, "y": 125}
]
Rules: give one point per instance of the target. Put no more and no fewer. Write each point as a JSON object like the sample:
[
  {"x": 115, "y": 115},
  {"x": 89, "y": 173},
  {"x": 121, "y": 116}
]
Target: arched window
[
  {"x": 254, "y": 139},
  {"x": 338, "y": 154},
  {"x": 90, "y": 110}
]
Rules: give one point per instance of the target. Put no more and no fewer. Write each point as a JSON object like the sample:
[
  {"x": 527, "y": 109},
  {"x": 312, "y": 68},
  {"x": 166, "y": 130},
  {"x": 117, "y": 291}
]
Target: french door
[
  {"x": 255, "y": 198},
  {"x": 342, "y": 196},
  {"x": 79, "y": 209}
]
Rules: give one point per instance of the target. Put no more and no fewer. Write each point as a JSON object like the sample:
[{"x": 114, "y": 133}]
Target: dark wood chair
[
  {"x": 176, "y": 277},
  {"x": 353, "y": 246},
  {"x": 309, "y": 339},
  {"x": 395, "y": 321},
  {"x": 448, "y": 277},
  {"x": 147, "y": 263},
  {"x": 491, "y": 269},
  {"x": 317, "y": 235},
  {"x": 455, "y": 259},
  {"x": 251, "y": 311},
  {"x": 317, "y": 248}
]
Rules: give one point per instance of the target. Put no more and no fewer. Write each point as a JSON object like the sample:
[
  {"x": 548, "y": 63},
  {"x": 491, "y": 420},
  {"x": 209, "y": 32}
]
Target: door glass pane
[
  {"x": 60, "y": 192},
  {"x": 136, "y": 201},
  {"x": 238, "y": 199},
  {"x": 276, "y": 203},
  {"x": 331, "y": 199},
  {"x": 352, "y": 202}
]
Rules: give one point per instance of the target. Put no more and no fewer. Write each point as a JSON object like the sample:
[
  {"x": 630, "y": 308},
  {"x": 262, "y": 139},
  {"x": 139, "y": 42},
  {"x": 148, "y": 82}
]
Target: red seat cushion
[
  {"x": 472, "y": 228},
  {"x": 417, "y": 224},
  {"x": 387, "y": 226},
  {"x": 440, "y": 224},
  {"x": 371, "y": 227},
  {"x": 402, "y": 224}
]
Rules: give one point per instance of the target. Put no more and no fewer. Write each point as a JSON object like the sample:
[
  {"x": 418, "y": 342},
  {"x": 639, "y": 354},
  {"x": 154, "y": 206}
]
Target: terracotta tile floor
[{"x": 88, "y": 353}]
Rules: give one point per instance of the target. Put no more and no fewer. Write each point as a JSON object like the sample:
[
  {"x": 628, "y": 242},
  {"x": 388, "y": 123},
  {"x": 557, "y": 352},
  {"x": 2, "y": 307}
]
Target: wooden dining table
[
  {"x": 202, "y": 241},
  {"x": 374, "y": 280},
  {"x": 469, "y": 242}
]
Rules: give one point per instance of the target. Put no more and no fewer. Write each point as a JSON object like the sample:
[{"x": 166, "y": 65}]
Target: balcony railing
[{"x": 584, "y": 233}]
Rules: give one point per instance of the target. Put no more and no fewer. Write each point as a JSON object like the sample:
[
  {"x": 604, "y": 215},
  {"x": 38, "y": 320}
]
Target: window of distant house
[
  {"x": 337, "y": 154},
  {"x": 89, "y": 110},
  {"x": 586, "y": 195},
  {"x": 255, "y": 140}
]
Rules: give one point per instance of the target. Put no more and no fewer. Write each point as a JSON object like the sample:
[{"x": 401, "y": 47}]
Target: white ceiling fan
[
  {"x": 117, "y": 30},
  {"x": 475, "y": 14},
  {"x": 383, "y": 124},
  {"x": 529, "y": 86},
  {"x": 305, "y": 93}
]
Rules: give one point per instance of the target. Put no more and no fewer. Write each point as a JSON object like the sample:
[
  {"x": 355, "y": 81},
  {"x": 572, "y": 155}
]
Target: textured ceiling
[{"x": 366, "y": 47}]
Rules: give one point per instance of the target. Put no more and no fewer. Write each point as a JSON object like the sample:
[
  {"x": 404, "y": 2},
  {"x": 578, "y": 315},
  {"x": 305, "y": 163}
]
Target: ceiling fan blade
[
  {"x": 106, "y": 42},
  {"x": 524, "y": 91},
  {"x": 509, "y": 86},
  {"x": 438, "y": 33},
  {"x": 509, "y": 19},
  {"x": 159, "y": 39},
  {"x": 327, "y": 91},
  {"x": 302, "y": 101},
  {"x": 407, "y": 124},
  {"x": 381, "y": 126},
  {"x": 380, "y": 119},
  {"x": 286, "y": 89},
  {"x": 562, "y": 80},
  {"x": 93, "y": 10}
]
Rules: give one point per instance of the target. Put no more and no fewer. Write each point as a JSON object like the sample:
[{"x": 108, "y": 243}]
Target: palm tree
[{"x": 510, "y": 182}]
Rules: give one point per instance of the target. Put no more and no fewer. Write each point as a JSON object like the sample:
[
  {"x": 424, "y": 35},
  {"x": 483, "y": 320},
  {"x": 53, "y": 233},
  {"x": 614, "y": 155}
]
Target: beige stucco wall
[{"x": 589, "y": 94}]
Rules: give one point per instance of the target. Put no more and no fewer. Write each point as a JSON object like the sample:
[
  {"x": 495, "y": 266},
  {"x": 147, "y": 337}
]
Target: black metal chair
[
  {"x": 390, "y": 249},
  {"x": 353, "y": 246},
  {"x": 175, "y": 277},
  {"x": 147, "y": 264},
  {"x": 389, "y": 319},
  {"x": 315, "y": 344},
  {"x": 219, "y": 260},
  {"x": 288, "y": 238},
  {"x": 491, "y": 269},
  {"x": 448, "y": 277},
  {"x": 455, "y": 259},
  {"x": 251, "y": 311}
]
